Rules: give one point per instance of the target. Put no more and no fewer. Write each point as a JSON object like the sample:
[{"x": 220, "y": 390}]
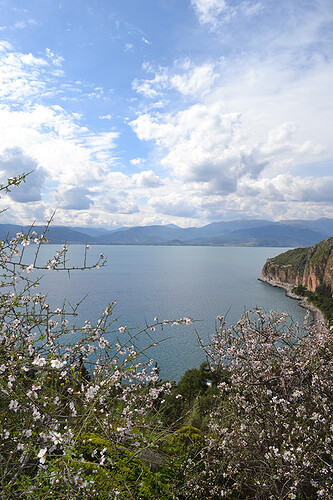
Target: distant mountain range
[{"x": 241, "y": 232}]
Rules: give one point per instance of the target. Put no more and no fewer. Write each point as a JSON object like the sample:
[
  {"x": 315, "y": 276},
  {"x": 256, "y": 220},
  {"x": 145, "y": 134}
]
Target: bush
[
  {"x": 271, "y": 434},
  {"x": 60, "y": 381},
  {"x": 192, "y": 399},
  {"x": 321, "y": 298}
]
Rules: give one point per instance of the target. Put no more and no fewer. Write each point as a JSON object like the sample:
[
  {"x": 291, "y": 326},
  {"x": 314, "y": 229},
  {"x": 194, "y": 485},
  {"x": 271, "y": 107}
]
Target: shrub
[
  {"x": 271, "y": 434},
  {"x": 320, "y": 298},
  {"x": 60, "y": 381}
]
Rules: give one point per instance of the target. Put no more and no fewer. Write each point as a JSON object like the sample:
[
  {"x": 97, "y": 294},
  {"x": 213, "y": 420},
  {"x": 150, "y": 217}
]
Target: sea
[{"x": 167, "y": 283}]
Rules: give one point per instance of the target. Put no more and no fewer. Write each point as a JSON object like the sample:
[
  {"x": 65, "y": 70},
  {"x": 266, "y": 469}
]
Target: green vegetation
[
  {"x": 315, "y": 258},
  {"x": 193, "y": 398},
  {"x": 295, "y": 258},
  {"x": 259, "y": 429},
  {"x": 321, "y": 298},
  {"x": 321, "y": 251}
]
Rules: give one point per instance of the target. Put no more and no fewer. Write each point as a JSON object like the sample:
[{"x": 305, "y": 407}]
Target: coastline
[{"x": 319, "y": 321}]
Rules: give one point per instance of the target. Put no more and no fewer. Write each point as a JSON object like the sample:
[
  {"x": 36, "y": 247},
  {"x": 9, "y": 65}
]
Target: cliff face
[{"x": 310, "y": 267}]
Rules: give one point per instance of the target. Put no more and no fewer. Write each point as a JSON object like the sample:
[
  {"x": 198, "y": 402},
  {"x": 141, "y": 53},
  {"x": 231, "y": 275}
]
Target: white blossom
[
  {"x": 39, "y": 361},
  {"x": 42, "y": 455},
  {"x": 13, "y": 405},
  {"x": 56, "y": 363}
]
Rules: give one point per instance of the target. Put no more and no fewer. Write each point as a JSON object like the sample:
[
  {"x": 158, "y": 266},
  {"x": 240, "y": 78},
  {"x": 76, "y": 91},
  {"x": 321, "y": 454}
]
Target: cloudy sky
[{"x": 136, "y": 112}]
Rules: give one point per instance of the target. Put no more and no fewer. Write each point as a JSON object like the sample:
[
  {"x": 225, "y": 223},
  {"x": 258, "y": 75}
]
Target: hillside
[
  {"x": 310, "y": 267},
  {"x": 308, "y": 271}
]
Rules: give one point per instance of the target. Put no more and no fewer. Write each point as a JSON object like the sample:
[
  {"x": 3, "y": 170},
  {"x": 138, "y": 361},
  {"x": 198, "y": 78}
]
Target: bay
[{"x": 169, "y": 283}]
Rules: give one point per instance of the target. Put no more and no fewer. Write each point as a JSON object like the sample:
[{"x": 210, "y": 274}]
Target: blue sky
[{"x": 136, "y": 112}]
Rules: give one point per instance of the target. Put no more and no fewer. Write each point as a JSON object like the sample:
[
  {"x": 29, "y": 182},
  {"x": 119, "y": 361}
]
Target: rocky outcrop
[{"x": 310, "y": 267}]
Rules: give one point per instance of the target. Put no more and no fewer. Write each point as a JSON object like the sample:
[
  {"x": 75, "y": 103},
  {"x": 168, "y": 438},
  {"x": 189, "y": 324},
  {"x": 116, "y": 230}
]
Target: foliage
[
  {"x": 296, "y": 258},
  {"x": 321, "y": 298},
  {"x": 60, "y": 381},
  {"x": 299, "y": 290},
  {"x": 271, "y": 434},
  {"x": 321, "y": 251},
  {"x": 192, "y": 399},
  {"x": 316, "y": 257}
]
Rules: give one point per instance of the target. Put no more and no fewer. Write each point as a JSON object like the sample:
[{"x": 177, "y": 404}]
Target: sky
[{"x": 140, "y": 112}]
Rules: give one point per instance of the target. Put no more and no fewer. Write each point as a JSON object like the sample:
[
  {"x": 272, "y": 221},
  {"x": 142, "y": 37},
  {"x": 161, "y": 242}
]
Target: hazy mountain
[
  {"x": 324, "y": 224},
  {"x": 9, "y": 230},
  {"x": 154, "y": 235},
  {"x": 57, "y": 234},
  {"x": 275, "y": 234},
  {"x": 91, "y": 231},
  {"x": 141, "y": 235},
  {"x": 242, "y": 232},
  {"x": 218, "y": 228}
]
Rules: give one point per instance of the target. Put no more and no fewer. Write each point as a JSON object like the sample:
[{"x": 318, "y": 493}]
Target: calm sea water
[{"x": 170, "y": 283}]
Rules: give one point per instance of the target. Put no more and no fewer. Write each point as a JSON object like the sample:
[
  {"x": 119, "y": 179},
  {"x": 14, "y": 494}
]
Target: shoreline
[{"x": 319, "y": 322}]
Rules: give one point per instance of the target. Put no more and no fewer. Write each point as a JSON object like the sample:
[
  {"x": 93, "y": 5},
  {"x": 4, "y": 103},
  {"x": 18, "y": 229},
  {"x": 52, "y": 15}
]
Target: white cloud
[
  {"x": 152, "y": 88},
  {"x": 117, "y": 179},
  {"x": 202, "y": 145},
  {"x": 55, "y": 59},
  {"x": 138, "y": 162},
  {"x": 146, "y": 41},
  {"x": 281, "y": 141},
  {"x": 208, "y": 11},
  {"x": 100, "y": 144},
  {"x": 249, "y": 8},
  {"x": 197, "y": 81},
  {"x": 54, "y": 138},
  {"x": 76, "y": 198},
  {"x": 25, "y": 24},
  {"x": 176, "y": 205},
  {"x": 68, "y": 151},
  {"x": 20, "y": 75},
  {"x": 290, "y": 188},
  {"x": 228, "y": 126},
  {"x": 215, "y": 12},
  {"x": 119, "y": 203},
  {"x": 19, "y": 25},
  {"x": 185, "y": 77},
  {"x": 13, "y": 162},
  {"x": 230, "y": 162},
  {"x": 147, "y": 178},
  {"x": 68, "y": 159},
  {"x": 30, "y": 60},
  {"x": 266, "y": 111}
]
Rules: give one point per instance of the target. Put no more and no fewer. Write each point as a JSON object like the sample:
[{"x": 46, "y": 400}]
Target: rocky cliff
[{"x": 310, "y": 267}]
